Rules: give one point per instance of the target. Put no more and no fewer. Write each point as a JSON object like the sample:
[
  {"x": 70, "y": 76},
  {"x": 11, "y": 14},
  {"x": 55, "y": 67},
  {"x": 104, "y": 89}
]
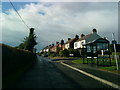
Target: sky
[{"x": 54, "y": 21}]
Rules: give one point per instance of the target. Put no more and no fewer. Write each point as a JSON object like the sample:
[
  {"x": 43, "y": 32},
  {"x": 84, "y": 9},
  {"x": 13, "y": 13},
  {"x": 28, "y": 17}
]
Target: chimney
[
  {"x": 77, "y": 37},
  {"x": 105, "y": 38},
  {"x": 69, "y": 38},
  {"x": 57, "y": 42},
  {"x": 94, "y": 30},
  {"x": 62, "y": 42},
  {"x": 46, "y": 46},
  {"x": 82, "y": 35},
  {"x": 52, "y": 44}
]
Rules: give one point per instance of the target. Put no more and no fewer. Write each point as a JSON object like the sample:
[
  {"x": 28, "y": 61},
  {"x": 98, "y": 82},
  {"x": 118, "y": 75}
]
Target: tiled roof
[
  {"x": 84, "y": 37},
  {"x": 71, "y": 40}
]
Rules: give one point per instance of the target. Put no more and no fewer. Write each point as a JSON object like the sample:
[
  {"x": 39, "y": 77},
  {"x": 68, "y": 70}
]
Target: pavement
[{"x": 46, "y": 73}]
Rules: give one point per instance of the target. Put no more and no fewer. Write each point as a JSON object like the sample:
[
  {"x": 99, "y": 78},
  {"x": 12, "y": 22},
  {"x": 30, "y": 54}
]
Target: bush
[
  {"x": 64, "y": 53},
  {"x": 75, "y": 52},
  {"x": 117, "y": 47},
  {"x": 52, "y": 54}
]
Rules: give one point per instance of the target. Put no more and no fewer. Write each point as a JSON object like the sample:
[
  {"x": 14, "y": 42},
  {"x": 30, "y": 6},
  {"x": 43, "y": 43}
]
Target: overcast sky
[{"x": 54, "y": 21}]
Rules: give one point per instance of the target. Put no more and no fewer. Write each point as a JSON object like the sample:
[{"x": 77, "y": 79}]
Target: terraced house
[
  {"x": 70, "y": 43},
  {"x": 84, "y": 39},
  {"x": 85, "y": 43}
]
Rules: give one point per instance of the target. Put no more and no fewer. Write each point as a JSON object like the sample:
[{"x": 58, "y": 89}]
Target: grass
[
  {"x": 117, "y": 53},
  {"x": 78, "y": 61},
  {"x": 105, "y": 68},
  {"x": 59, "y": 57},
  {"x": 101, "y": 62},
  {"x": 112, "y": 68}
]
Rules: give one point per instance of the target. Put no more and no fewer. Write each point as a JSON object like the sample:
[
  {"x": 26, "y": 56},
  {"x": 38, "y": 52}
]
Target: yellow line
[{"x": 94, "y": 77}]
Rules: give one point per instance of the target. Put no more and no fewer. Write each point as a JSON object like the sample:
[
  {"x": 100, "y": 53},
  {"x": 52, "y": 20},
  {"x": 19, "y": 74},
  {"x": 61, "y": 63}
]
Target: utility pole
[{"x": 114, "y": 42}]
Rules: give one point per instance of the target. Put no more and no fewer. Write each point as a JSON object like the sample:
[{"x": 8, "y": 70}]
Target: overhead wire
[{"x": 19, "y": 14}]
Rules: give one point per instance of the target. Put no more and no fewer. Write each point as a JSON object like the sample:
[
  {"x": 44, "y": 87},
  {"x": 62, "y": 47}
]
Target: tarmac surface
[{"x": 46, "y": 73}]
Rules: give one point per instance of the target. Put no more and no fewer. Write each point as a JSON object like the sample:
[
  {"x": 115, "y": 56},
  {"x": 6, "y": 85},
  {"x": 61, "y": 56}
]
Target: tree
[
  {"x": 58, "y": 50},
  {"x": 29, "y": 42},
  {"x": 117, "y": 47}
]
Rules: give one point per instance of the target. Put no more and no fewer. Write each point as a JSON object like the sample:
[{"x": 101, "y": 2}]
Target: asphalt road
[
  {"x": 44, "y": 74},
  {"x": 48, "y": 74}
]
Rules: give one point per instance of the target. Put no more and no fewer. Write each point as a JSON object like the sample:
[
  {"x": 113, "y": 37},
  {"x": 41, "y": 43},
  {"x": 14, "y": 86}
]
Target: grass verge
[{"x": 104, "y": 68}]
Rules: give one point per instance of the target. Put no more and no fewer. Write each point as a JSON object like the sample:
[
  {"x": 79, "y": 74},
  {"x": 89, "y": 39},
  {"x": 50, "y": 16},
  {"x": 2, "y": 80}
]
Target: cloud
[
  {"x": 56, "y": 21},
  {"x": 61, "y": 0}
]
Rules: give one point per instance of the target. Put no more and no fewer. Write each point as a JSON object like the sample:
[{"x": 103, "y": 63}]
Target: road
[
  {"x": 48, "y": 74},
  {"x": 45, "y": 75}
]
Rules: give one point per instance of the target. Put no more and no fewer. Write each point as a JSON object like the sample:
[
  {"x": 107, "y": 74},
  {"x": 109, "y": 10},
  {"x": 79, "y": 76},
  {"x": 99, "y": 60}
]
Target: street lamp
[{"x": 114, "y": 42}]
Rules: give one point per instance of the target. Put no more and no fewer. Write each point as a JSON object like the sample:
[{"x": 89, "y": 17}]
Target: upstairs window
[{"x": 75, "y": 44}]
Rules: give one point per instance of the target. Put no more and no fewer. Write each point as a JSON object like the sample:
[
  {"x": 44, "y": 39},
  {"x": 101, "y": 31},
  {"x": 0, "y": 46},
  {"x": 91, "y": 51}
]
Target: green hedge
[{"x": 14, "y": 63}]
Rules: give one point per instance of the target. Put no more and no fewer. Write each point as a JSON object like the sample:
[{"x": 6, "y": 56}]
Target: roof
[
  {"x": 71, "y": 40},
  {"x": 84, "y": 37},
  {"x": 100, "y": 40},
  {"x": 90, "y": 37}
]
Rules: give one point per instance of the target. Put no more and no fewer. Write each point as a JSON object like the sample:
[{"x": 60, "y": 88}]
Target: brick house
[
  {"x": 70, "y": 42},
  {"x": 86, "y": 39}
]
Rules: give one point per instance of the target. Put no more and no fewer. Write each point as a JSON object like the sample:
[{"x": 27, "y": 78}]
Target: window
[
  {"x": 102, "y": 46},
  {"x": 88, "y": 48},
  {"x": 75, "y": 44},
  {"x": 94, "y": 49}
]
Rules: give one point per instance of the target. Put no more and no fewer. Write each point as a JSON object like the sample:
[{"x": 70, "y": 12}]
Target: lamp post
[{"x": 114, "y": 42}]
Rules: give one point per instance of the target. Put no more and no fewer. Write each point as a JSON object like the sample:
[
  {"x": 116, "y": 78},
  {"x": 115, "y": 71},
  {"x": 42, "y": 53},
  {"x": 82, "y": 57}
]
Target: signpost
[{"x": 113, "y": 42}]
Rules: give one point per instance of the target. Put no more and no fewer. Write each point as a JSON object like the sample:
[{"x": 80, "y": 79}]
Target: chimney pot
[
  {"x": 57, "y": 42},
  {"x": 94, "y": 30},
  {"x": 77, "y": 36},
  {"x": 69, "y": 38},
  {"x": 52, "y": 44},
  {"x": 62, "y": 41},
  {"x": 82, "y": 35}
]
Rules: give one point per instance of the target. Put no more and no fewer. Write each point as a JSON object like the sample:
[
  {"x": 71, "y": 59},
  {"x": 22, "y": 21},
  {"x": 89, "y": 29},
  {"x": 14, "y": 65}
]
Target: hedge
[{"x": 14, "y": 63}]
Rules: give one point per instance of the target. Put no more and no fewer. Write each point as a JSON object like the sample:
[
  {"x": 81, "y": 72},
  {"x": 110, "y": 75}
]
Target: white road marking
[{"x": 94, "y": 77}]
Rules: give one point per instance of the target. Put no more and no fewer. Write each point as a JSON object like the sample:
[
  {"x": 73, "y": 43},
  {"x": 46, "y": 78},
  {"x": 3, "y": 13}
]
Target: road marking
[{"x": 94, "y": 77}]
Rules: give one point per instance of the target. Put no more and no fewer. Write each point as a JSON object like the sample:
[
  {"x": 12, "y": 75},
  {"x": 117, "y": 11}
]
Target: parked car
[{"x": 45, "y": 55}]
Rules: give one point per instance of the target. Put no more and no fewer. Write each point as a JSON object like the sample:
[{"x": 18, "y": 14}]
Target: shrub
[
  {"x": 117, "y": 47},
  {"x": 75, "y": 52},
  {"x": 64, "y": 53}
]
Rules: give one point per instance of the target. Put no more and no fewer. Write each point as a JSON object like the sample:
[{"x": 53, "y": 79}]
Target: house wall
[
  {"x": 75, "y": 45},
  {"x": 44, "y": 50},
  {"x": 47, "y": 50},
  {"x": 53, "y": 49},
  {"x": 79, "y": 44},
  {"x": 63, "y": 47},
  {"x": 67, "y": 46}
]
